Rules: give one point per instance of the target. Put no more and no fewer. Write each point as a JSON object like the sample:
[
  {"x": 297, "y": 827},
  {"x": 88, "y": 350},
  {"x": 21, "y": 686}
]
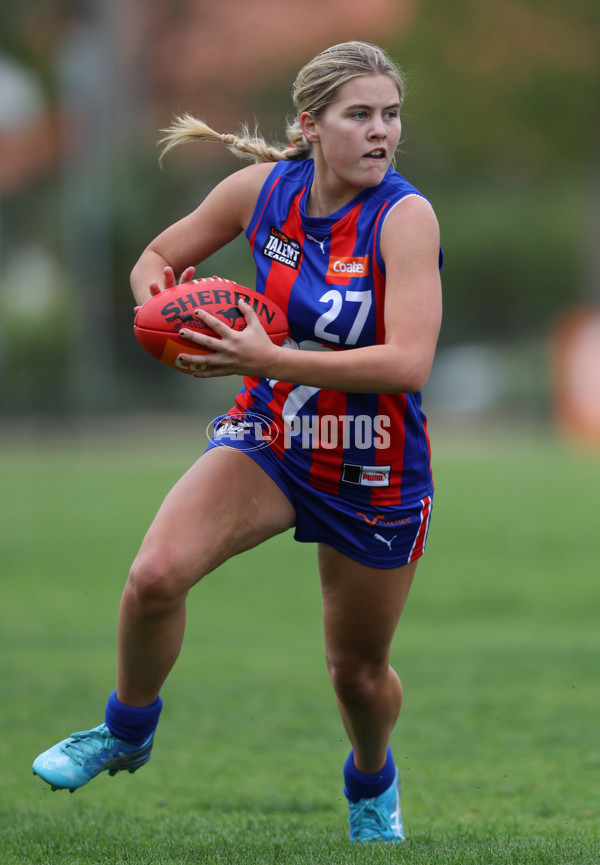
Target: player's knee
[
  {"x": 158, "y": 581},
  {"x": 355, "y": 682}
]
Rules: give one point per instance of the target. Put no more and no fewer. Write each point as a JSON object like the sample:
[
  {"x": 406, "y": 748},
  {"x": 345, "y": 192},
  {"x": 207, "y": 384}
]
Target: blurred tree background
[{"x": 501, "y": 132}]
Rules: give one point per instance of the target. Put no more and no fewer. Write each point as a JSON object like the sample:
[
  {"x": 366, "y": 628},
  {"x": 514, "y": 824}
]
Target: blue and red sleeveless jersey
[{"x": 327, "y": 275}]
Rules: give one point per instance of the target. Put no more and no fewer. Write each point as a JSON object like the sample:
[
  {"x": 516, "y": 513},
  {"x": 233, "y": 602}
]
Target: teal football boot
[
  {"x": 78, "y": 759},
  {"x": 378, "y": 819}
]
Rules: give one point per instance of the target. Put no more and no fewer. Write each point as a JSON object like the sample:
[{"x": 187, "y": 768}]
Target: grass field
[{"x": 498, "y": 743}]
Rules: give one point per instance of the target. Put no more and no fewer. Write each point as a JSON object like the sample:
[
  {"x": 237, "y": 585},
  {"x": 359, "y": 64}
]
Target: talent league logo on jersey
[
  {"x": 282, "y": 248},
  {"x": 344, "y": 267}
]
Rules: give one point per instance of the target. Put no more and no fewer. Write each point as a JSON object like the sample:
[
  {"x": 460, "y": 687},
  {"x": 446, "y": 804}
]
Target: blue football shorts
[{"x": 382, "y": 537}]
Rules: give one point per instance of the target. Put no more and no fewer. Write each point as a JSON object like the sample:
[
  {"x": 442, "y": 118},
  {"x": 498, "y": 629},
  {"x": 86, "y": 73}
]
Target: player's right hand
[{"x": 169, "y": 281}]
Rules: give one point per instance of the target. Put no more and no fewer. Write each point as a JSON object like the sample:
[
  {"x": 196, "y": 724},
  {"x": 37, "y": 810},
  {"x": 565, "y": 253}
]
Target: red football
[{"x": 158, "y": 321}]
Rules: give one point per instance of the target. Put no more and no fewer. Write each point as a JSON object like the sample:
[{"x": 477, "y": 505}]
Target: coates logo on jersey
[
  {"x": 279, "y": 247},
  {"x": 343, "y": 267}
]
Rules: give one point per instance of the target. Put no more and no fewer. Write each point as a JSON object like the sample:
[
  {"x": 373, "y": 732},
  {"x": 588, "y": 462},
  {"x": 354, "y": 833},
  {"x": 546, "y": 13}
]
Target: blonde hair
[{"x": 315, "y": 88}]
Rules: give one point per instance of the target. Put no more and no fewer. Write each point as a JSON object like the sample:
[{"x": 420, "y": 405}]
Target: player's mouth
[{"x": 378, "y": 153}]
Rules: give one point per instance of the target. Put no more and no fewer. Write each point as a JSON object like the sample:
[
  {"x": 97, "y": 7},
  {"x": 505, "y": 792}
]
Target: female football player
[{"x": 350, "y": 251}]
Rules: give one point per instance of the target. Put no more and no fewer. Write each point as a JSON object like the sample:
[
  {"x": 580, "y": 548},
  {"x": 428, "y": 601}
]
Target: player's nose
[{"x": 377, "y": 129}]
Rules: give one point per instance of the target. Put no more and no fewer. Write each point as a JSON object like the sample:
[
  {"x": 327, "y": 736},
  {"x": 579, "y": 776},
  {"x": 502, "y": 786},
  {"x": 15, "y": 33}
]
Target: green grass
[{"x": 498, "y": 651}]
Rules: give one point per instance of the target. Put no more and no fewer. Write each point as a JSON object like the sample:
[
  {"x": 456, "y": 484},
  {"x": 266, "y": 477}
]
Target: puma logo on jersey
[
  {"x": 385, "y": 540},
  {"x": 366, "y": 476},
  {"x": 316, "y": 240}
]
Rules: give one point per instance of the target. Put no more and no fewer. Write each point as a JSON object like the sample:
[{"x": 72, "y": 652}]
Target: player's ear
[{"x": 309, "y": 127}]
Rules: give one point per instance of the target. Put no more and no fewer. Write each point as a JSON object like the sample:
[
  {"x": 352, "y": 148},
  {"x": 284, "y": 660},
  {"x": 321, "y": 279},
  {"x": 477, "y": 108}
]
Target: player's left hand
[{"x": 235, "y": 352}]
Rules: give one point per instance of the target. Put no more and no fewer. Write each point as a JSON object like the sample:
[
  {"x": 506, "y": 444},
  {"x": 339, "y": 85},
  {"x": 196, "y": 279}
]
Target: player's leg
[
  {"x": 361, "y": 609},
  {"x": 223, "y": 505}
]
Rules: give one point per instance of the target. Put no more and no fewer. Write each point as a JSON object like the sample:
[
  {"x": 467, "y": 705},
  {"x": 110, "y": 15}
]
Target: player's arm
[
  {"x": 223, "y": 214},
  {"x": 410, "y": 246}
]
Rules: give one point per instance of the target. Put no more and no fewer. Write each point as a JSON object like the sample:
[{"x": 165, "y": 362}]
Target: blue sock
[
  {"x": 131, "y": 723},
  {"x": 358, "y": 785}
]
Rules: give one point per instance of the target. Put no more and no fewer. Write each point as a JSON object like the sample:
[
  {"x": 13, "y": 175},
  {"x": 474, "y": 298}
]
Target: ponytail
[{"x": 187, "y": 128}]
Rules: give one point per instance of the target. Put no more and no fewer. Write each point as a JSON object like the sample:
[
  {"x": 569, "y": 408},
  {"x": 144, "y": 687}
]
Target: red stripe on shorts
[{"x": 418, "y": 547}]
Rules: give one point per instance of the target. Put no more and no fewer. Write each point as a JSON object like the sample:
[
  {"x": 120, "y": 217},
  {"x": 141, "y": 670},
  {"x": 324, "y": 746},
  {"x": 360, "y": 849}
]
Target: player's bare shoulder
[
  {"x": 412, "y": 208},
  {"x": 410, "y": 224}
]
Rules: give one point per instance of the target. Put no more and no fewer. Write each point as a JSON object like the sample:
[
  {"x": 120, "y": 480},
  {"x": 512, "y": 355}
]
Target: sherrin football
[{"x": 159, "y": 320}]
